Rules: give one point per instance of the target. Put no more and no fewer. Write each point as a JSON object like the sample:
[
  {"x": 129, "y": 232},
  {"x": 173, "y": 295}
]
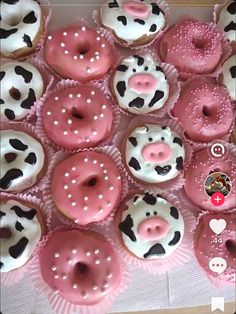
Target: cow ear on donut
[
  {"x": 142, "y": 129},
  {"x": 126, "y": 225}
]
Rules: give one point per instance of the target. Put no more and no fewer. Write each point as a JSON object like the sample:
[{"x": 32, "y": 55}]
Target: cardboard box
[{"x": 194, "y": 3}]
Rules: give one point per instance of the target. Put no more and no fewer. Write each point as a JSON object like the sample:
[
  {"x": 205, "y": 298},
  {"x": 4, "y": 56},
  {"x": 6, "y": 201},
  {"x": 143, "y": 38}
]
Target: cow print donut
[
  {"x": 154, "y": 153},
  {"x": 22, "y": 161},
  {"x": 227, "y": 20},
  {"x": 21, "y": 86},
  {"x": 19, "y": 27},
  {"x": 140, "y": 85},
  {"x": 150, "y": 227},
  {"x": 229, "y": 75},
  {"x": 133, "y": 22},
  {"x": 20, "y": 233}
]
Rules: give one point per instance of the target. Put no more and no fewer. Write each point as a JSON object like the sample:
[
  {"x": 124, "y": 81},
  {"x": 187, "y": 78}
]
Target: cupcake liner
[
  {"x": 14, "y": 276},
  {"x": 64, "y": 84},
  {"x": 180, "y": 256},
  {"x": 61, "y": 305},
  {"x": 49, "y": 152},
  {"x": 114, "y": 155},
  {"x": 170, "y": 185}
]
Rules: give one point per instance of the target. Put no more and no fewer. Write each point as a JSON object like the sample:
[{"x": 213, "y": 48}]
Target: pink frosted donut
[
  {"x": 81, "y": 267},
  {"x": 79, "y": 53},
  {"x": 192, "y": 46},
  {"x": 210, "y": 245},
  {"x": 77, "y": 117},
  {"x": 89, "y": 187},
  {"x": 203, "y": 164},
  {"x": 204, "y": 109}
]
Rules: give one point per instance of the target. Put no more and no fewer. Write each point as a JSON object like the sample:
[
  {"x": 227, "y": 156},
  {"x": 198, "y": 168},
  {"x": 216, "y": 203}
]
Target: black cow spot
[
  {"x": 6, "y": 33},
  {"x": 163, "y": 171},
  {"x": 164, "y": 127},
  {"x": 30, "y": 18},
  {"x": 2, "y": 214},
  {"x": 11, "y": 175},
  {"x": 178, "y": 140},
  {"x": 153, "y": 28},
  {"x": 29, "y": 101},
  {"x": 126, "y": 225},
  {"x": 135, "y": 198},
  {"x": 19, "y": 226},
  {"x": 174, "y": 212},
  {"x": 15, "y": 251},
  {"x": 149, "y": 199},
  {"x": 122, "y": 19},
  {"x": 233, "y": 71},
  {"x": 1, "y": 102},
  {"x": 12, "y": 2},
  {"x": 17, "y": 144},
  {"x": 121, "y": 88},
  {"x": 1, "y": 265},
  {"x": 9, "y": 114},
  {"x": 140, "y": 59},
  {"x": 176, "y": 238},
  {"x": 122, "y": 68},
  {"x": 158, "y": 68},
  {"x": 15, "y": 93},
  {"x": 156, "y": 9},
  {"x": 134, "y": 164},
  {"x": 156, "y": 249},
  {"x": 179, "y": 163},
  {"x": 138, "y": 102},
  {"x": 113, "y": 4},
  {"x": 146, "y": 69},
  {"x": 31, "y": 159},
  {"x": 133, "y": 141},
  {"x": 27, "y": 76},
  {"x": 232, "y": 8},
  {"x": 25, "y": 214},
  {"x": 27, "y": 41},
  {"x": 10, "y": 157},
  {"x": 139, "y": 21},
  {"x": 230, "y": 27},
  {"x": 2, "y": 74},
  {"x": 158, "y": 95}
]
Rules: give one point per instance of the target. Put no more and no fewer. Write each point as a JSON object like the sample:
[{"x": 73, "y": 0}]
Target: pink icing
[
  {"x": 153, "y": 228},
  {"x": 142, "y": 83},
  {"x": 81, "y": 267},
  {"x": 136, "y": 9},
  {"x": 77, "y": 117},
  {"x": 79, "y": 53},
  {"x": 204, "y": 109},
  {"x": 157, "y": 152},
  {"x": 192, "y": 46},
  {"x": 202, "y": 164},
  {"x": 89, "y": 187},
  {"x": 208, "y": 245}
]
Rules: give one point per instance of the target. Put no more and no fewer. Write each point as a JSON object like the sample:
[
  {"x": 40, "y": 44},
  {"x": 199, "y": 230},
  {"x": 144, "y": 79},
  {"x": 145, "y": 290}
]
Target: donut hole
[
  {"x": 10, "y": 157},
  {"x": 91, "y": 182},
  {"x": 76, "y": 114},
  {"x": 15, "y": 93},
  {"x": 206, "y": 111},
  {"x": 81, "y": 270},
  {"x": 13, "y": 20},
  {"x": 199, "y": 43},
  {"x": 83, "y": 48},
  {"x": 5, "y": 233},
  {"x": 231, "y": 247}
]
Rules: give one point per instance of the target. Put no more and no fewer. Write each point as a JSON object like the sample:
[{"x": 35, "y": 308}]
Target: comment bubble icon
[{"x": 217, "y": 265}]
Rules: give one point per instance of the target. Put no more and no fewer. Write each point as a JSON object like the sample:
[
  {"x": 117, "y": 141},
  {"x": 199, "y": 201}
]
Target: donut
[
  {"x": 82, "y": 53},
  {"x": 21, "y": 27},
  {"x": 192, "y": 46},
  {"x": 77, "y": 117},
  {"x": 22, "y": 161},
  {"x": 21, "y": 85},
  {"x": 89, "y": 189},
  {"x": 214, "y": 239},
  {"x": 204, "y": 110},
  {"x": 233, "y": 134},
  {"x": 153, "y": 153},
  {"x": 203, "y": 163},
  {"x": 80, "y": 266},
  {"x": 149, "y": 226},
  {"x": 227, "y": 20},
  {"x": 228, "y": 76},
  {"x": 133, "y": 23},
  {"x": 139, "y": 84},
  {"x": 20, "y": 232}
]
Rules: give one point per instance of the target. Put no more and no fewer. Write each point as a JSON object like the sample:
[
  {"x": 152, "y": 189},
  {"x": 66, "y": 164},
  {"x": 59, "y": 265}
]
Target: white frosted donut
[
  {"x": 20, "y": 233},
  {"x": 227, "y": 20},
  {"x": 21, "y": 85},
  {"x": 151, "y": 227},
  {"x": 133, "y": 22},
  {"x": 20, "y": 25},
  {"x": 229, "y": 75},
  {"x": 22, "y": 161},
  {"x": 140, "y": 84},
  {"x": 154, "y": 153}
]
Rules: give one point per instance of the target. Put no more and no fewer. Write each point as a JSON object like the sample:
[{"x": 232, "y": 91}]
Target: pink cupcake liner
[
  {"x": 180, "y": 256},
  {"x": 61, "y": 305},
  {"x": 49, "y": 152},
  {"x": 64, "y": 84},
  {"x": 14, "y": 276},
  {"x": 170, "y": 185},
  {"x": 115, "y": 156}
]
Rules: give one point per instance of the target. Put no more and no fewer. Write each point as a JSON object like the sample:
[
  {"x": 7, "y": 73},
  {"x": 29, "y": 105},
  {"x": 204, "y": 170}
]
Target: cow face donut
[
  {"x": 20, "y": 233},
  {"x": 140, "y": 85},
  {"x": 21, "y": 27},
  {"x": 21, "y": 86},
  {"x": 229, "y": 75},
  {"x": 22, "y": 161},
  {"x": 133, "y": 22},
  {"x": 154, "y": 153},
  {"x": 227, "y": 20},
  {"x": 151, "y": 227}
]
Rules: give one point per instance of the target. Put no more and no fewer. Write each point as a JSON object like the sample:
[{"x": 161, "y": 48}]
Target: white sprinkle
[
  {"x": 85, "y": 208},
  {"x": 106, "y": 284},
  {"x": 53, "y": 268},
  {"x": 49, "y": 37},
  {"x": 88, "y": 70},
  {"x": 96, "y": 53},
  {"x": 83, "y": 28},
  {"x": 87, "y": 253},
  {"x": 103, "y": 45},
  {"x": 56, "y": 276},
  {"x": 73, "y": 251},
  {"x": 65, "y": 132},
  {"x": 92, "y": 60},
  {"x": 105, "y": 171},
  {"x": 55, "y": 122},
  {"x": 101, "y": 115},
  {"x": 108, "y": 203},
  {"x": 76, "y": 34},
  {"x": 109, "y": 275},
  {"x": 65, "y": 187},
  {"x": 95, "y": 117},
  {"x": 108, "y": 258},
  {"x": 73, "y": 168},
  {"x": 81, "y": 56},
  {"x": 84, "y": 295},
  {"x": 92, "y": 92},
  {"x": 74, "y": 286},
  {"x": 66, "y": 52},
  {"x": 97, "y": 57},
  {"x": 56, "y": 98},
  {"x": 69, "y": 195},
  {"x": 73, "y": 204},
  {"x": 106, "y": 178},
  {"x": 64, "y": 33},
  {"x": 70, "y": 95},
  {"x": 85, "y": 198},
  {"x": 62, "y": 44},
  {"x": 119, "y": 177},
  {"x": 97, "y": 261},
  {"x": 96, "y": 251},
  {"x": 87, "y": 140},
  {"x": 95, "y": 133},
  {"x": 100, "y": 210},
  {"x": 100, "y": 196},
  {"x": 63, "y": 110},
  {"x": 111, "y": 188},
  {"x": 101, "y": 165},
  {"x": 76, "y": 132},
  {"x": 56, "y": 254},
  {"x": 56, "y": 291},
  {"x": 85, "y": 159},
  {"x": 98, "y": 38},
  {"x": 75, "y": 57},
  {"x": 88, "y": 100},
  {"x": 69, "y": 121},
  {"x": 104, "y": 107},
  {"x": 95, "y": 288},
  {"x": 69, "y": 261},
  {"x": 78, "y": 95},
  {"x": 64, "y": 277},
  {"x": 95, "y": 161},
  {"x": 73, "y": 181},
  {"x": 76, "y": 221},
  {"x": 49, "y": 113},
  {"x": 66, "y": 174}
]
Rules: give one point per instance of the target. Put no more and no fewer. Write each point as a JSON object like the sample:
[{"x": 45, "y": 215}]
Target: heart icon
[{"x": 217, "y": 225}]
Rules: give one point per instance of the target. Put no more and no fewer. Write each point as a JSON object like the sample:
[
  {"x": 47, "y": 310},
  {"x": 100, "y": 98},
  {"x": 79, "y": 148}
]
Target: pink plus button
[{"x": 217, "y": 199}]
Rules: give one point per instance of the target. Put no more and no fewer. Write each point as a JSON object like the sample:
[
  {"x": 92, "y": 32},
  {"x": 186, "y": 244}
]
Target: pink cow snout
[
  {"x": 142, "y": 83},
  {"x": 153, "y": 228},
  {"x": 157, "y": 152},
  {"x": 136, "y": 9}
]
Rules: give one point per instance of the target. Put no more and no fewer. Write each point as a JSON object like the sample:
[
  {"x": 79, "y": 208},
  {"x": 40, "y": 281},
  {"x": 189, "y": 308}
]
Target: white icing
[
  {"x": 32, "y": 231},
  {"x": 11, "y": 79},
  {"x": 12, "y": 17},
  {"x": 137, "y": 210},
  {"x": 228, "y": 80},
  {"x": 130, "y": 94},
  {"x": 133, "y": 31},
  {"x": 30, "y": 172},
  {"x": 147, "y": 173},
  {"x": 225, "y": 19}
]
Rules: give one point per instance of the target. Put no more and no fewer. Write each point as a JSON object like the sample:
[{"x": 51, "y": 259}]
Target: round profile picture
[{"x": 217, "y": 182}]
